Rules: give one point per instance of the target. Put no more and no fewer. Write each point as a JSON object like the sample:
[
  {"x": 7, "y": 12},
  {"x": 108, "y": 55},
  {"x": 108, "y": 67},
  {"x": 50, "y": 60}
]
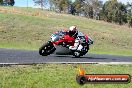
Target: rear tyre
[
  {"x": 47, "y": 49},
  {"x": 82, "y": 52},
  {"x": 76, "y": 54},
  {"x": 85, "y": 50}
]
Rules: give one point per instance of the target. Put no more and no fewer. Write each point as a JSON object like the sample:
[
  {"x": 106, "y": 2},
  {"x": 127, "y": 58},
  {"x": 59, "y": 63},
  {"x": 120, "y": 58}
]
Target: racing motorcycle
[{"x": 60, "y": 41}]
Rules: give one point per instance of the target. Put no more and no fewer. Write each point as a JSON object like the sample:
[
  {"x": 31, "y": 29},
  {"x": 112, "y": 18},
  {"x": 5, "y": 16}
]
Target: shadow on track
[
  {"x": 70, "y": 56},
  {"x": 90, "y": 58},
  {"x": 63, "y": 56}
]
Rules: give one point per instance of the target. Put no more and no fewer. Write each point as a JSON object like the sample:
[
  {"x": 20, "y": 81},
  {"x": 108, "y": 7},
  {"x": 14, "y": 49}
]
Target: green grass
[
  {"x": 30, "y": 32},
  {"x": 57, "y": 75}
]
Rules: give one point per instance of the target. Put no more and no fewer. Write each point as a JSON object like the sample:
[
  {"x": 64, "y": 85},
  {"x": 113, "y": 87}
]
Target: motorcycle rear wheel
[{"x": 81, "y": 53}]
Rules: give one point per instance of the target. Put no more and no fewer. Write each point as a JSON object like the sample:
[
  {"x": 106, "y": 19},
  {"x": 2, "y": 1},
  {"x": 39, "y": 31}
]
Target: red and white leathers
[
  {"x": 77, "y": 45},
  {"x": 73, "y": 33}
]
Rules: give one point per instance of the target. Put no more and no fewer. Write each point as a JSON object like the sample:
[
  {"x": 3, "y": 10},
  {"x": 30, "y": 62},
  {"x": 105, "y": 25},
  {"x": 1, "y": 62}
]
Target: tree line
[
  {"x": 7, "y": 2},
  {"x": 111, "y": 11}
]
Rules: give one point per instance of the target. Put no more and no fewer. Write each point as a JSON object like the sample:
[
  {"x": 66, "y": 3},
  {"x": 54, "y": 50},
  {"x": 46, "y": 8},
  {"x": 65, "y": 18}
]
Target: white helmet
[
  {"x": 73, "y": 28},
  {"x": 73, "y": 31}
]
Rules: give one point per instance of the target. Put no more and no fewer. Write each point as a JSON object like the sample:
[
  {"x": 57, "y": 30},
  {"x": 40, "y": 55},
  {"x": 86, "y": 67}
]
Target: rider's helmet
[{"x": 73, "y": 31}]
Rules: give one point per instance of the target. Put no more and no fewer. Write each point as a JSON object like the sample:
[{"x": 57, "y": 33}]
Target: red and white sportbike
[{"x": 61, "y": 43}]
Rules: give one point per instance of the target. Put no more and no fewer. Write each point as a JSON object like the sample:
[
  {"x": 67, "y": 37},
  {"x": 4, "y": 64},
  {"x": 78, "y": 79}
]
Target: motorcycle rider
[{"x": 73, "y": 32}]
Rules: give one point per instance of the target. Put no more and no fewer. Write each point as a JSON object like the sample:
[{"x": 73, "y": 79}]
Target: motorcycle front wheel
[{"x": 47, "y": 49}]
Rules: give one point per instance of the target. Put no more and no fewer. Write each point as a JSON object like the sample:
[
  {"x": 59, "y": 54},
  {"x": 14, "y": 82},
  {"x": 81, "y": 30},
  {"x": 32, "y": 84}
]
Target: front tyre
[{"x": 47, "y": 49}]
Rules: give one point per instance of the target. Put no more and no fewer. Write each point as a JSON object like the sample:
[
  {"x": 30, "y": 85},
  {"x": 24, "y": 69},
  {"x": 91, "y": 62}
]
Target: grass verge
[{"x": 57, "y": 75}]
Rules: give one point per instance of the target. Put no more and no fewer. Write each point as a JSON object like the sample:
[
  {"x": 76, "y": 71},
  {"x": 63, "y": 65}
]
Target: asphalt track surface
[{"x": 10, "y": 56}]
